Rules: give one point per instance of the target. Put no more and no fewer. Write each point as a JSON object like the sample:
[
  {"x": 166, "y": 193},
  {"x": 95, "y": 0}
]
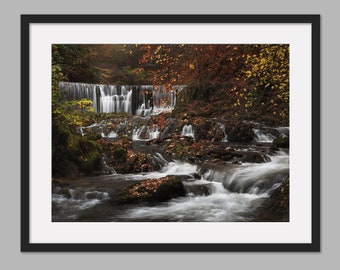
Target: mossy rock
[
  {"x": 74, "y": 155},
  {"x": 281, "y": 142},
  {"x": 240, "y": 132},
  {"x": 152, "y": 190},
  {"x": 119, "y": 153}
]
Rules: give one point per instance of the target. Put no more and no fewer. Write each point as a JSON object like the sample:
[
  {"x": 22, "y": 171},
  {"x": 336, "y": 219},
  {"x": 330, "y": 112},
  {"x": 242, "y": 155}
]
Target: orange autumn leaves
[{"x": 146, "y": 187}]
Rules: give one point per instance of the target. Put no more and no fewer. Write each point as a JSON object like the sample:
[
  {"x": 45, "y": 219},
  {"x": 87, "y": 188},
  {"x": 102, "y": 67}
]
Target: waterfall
[
  {"x": 165, "y": 100},
  {"x": 94, "y": 127},
  {"x": 225, "y": 138},
  {"x": 141, "y": 100},
  {"x": 261, "y": 136},
  {"x": 188, "y": 131},
  {"x": 109, "y": 169},
  {"x": 112, "y": 134},
  {"x": 145, "y": 133}
]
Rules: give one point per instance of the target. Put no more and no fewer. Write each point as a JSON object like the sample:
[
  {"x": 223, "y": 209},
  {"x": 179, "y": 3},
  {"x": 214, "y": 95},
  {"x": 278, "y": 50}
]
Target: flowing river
[{"x": 225, "y": 193}]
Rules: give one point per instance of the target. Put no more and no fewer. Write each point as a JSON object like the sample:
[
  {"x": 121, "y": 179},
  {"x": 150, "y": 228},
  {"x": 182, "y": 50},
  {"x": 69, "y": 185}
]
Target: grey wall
[{"x": 10, "y": 137}]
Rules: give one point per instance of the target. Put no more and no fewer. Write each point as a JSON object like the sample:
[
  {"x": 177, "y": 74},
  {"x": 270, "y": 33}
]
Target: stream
[
  {"x": 225, "y": 191},
  {"x": 219, "y": 193}
]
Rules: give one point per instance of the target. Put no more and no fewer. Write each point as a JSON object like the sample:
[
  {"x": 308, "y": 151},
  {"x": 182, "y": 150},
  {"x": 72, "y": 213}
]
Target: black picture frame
[{"x": 28, "y": 20}]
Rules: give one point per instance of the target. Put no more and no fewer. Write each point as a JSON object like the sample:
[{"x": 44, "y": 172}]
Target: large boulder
[
  {"x": 152, "y": 190},
  {"x": 276, "y": 207}
]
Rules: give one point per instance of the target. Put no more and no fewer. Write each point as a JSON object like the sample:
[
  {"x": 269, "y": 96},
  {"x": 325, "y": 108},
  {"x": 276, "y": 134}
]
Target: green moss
[
  {"x": 73, "y": 154},
  {"x": 119, "y": 153},
  {"x": 281, "y": 141}
]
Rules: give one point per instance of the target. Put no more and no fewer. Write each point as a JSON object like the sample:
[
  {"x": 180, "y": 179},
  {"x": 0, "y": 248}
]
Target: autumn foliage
[{"x": 250, "y": 78}]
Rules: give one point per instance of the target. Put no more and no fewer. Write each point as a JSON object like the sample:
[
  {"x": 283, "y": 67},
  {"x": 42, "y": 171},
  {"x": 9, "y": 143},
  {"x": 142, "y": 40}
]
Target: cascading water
[
  {"x": 225, "y": 138},
  {"x": 255, "y": 178},
  {"x": 112, "y": 134},
  {"x": 284, "y": 131},
  {"x": 78, "y": 200},
  {"x": 105, "y": 98},
  {"x": 133, "y": 99},
  {"x": 188, "y": 131},
  {"x": 226, "y": 202},
  {"x": 261, "y": 136},
  {"x": 111, "y": 101},
  {"x": 232, "y": 193},
  {"x": 145, "y": 133},
  {"x": 165, "y": 100}
]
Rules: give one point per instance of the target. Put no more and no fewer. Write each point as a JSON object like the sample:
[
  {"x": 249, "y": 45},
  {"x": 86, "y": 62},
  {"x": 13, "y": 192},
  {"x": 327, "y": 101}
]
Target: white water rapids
[{"x": 232, "y": 193}]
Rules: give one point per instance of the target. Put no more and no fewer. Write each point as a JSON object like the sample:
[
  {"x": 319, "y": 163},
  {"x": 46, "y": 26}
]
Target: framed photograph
[{"x": 170, "y": 133}]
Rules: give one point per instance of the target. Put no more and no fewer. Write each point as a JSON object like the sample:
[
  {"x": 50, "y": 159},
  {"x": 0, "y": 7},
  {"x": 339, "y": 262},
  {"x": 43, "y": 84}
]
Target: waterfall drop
[
  {"x": 188, "y": 131},
  {"x": 133, "y": 99}
]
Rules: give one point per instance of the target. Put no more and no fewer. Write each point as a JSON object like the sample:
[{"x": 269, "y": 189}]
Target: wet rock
[
  {"x": 239, "y": 132},
  {"x": 281, "y": 142},
  {"x": 61, "y": 187},
  {"x": 251, "y": 157},
  {"x": 152, "y": 190},
  {"x": 198, "y": 190},
  {"x": 276, "y": 207}
]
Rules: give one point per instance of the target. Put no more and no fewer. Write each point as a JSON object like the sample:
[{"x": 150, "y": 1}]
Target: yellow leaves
[
  {"x": 255, "y": 68},
  {"x": 191, "y": 66}
]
